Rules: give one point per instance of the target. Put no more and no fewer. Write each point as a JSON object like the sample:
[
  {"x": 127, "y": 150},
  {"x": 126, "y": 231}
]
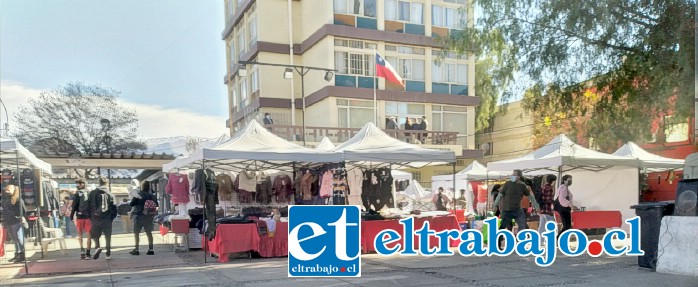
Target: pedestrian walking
[
  {"x": 103, "y": 212},
  {"x": 563, "y": 203},
  {"x": 546, "y": 205},
  {"x": 144, "y": 208},
  {"x": 65, "y": 210},
  {"x": 13, "y": 219},
  {"x": 124, "y": 211},
  {"x": 511, "y": 194},
  {"x": 81, "y": 214},
  {"x": 495, "y": 193}
]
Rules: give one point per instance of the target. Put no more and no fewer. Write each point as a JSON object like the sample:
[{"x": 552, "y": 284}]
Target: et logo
[{"x": 324, "y": 241}]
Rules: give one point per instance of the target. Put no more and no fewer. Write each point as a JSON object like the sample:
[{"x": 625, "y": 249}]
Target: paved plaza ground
[{"x": 167, "y": 268}]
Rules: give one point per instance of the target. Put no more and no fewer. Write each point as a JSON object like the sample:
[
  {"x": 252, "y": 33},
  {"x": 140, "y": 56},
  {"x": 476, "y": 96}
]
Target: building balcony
[{"x": 339, "y": 135}]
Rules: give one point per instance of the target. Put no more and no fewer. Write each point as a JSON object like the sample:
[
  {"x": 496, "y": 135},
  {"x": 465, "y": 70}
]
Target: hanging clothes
[
  {"x": 355, "y": 180},
  {"x": 225, "y": 187},
  {"x": 306, "y": 185},
  {"x": 247, "y": 186},
  {"x": 386, "y": 188},
  {"x": 210, "y": 198},
  {"x": 282, "y": 187},
  {"x": 340, "y": 187},
  {"x": 263, "y": 189},
  {"x": 178, "y": 188},
  {"x": 326, "y": 186}
]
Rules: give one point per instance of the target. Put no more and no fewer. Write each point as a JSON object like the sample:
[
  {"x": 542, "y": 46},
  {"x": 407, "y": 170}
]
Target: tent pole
[
  {"x": 454, "y": 186},
  {"x": 19, "y": 186},
  {"x": 203, "y": 165}
]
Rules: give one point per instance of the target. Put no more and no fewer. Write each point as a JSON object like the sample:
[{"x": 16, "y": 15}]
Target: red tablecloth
[
  {"x": 276, "y": 246},
  {"x": 2, "y": 241},
  {"x": 596, "y": 219},
  {"x": 369, "y": 230},
  {"x": 234, "y": 238}
]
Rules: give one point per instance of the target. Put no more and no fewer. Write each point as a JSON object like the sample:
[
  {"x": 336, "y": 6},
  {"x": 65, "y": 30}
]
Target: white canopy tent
[
  {"x": 254, "y": 148},
  {"x": 371, "y": 147},
  {"x": 562, "y": 154},
  {"x": 325, "y": 145},
  {"x": 415, "y": 191},
  {"x": 601, "y": 181},
  {"x": 648, "y": 161},
  {"x": 473, "y": 172},
  {"x": 13, "y": 154}
]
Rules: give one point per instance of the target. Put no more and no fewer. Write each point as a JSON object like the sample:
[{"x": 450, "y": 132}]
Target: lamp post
[
  {"x": 288, "y": 74},
  {"x": 106, "y": 139},
  {"x": 6, "y": 127}
]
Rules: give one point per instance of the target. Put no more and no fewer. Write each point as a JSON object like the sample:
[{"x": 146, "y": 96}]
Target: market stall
[
  {"x": 252, "y": 172},
  {"x": 372, "y": 149},
  {"x": 602, "y": 182},
  {"x": 21, "y": 167}
]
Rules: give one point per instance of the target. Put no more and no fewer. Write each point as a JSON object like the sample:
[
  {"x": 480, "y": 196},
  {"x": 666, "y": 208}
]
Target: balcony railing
[{"x": 339, "y": 135}]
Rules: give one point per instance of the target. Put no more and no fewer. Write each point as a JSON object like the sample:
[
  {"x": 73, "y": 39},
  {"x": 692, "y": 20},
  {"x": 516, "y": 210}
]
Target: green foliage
[{"x": 637, "y": 56}]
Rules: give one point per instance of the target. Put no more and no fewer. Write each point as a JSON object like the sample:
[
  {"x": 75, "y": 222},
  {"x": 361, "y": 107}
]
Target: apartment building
[
  {"x": 509, "y": 135},
  {"x": 344, "y": 35}
]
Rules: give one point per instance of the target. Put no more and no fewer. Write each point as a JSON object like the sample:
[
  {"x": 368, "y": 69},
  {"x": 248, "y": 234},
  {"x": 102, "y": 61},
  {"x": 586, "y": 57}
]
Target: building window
[
  {"x": 412, "y": 12},
  {"x": 356, "y": 7},
  {"x": 409, "y": 69},
  {"x": 243, "y": 89},
  {"x": 254, "y": 79},
  {"x": 450, "y": 119},
  {"x": 354, "y": 113},
  {"x": 232, "y": 57},
  {"x": 241, "y": 44},
  {"x": 230, "y": 8},
  {"x": 449, "y": 73},
  {"x": 403, "y": 111},
  {"x": 446, "y": 17},
  {"x": 353, "y": 63},
  {"x": 417, "y": 176},
  {"x": 252, "y": 29},
  {"x": 675, "y": 129},
  {"x": 354, "y": 44},
  {"x": 406, "y": 50}
]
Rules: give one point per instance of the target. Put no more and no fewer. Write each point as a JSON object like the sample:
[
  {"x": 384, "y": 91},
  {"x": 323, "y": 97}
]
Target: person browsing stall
[{"x": 511, "y": 194}]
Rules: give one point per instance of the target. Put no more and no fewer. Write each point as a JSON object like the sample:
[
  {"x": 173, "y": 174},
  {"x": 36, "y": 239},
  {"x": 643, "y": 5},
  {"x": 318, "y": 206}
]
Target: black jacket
[
  {"x": 138, "y": 204},
  {"x": 11, "y": 213},
  {"x": 101, "y": 202},
  {"x": 81, "y": 206}
]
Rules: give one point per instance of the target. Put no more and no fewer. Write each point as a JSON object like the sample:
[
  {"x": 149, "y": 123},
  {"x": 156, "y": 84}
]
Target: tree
[
  {"x": 637, "y": 55},
  {"x": 69, "y": 119}
]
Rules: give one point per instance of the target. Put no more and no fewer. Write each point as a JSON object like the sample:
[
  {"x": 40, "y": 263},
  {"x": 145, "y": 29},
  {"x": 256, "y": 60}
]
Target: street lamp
[
  {"x": 288, "y": 74},
  {"x": 106, "y": 139}
]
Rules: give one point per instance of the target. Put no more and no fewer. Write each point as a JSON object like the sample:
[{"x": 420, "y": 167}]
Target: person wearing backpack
[
  {"x": 80, "y": 213},
  {"x": 103, "y": 212},
  {"x": 144, "y": 208}
]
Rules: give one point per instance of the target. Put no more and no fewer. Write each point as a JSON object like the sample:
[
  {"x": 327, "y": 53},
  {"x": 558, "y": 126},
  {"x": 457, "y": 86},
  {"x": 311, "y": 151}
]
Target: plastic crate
[{"x": 180, "y": 226}]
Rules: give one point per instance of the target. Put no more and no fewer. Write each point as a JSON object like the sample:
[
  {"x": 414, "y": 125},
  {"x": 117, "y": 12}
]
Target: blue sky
[{"x": 166, "y": 57}]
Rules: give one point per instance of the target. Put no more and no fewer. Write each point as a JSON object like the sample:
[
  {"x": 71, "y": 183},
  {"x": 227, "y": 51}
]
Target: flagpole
[{"x": 375, "y": 84}]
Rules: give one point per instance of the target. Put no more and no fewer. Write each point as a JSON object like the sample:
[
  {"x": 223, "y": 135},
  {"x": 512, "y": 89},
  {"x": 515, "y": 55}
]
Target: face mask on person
[
  {"x": 569, "y": 182},
  {"x": 513, "y": 178},
  {"x": 268, "y": 117}
]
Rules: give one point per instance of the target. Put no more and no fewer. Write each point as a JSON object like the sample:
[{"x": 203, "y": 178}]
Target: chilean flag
[{"x": 385, "y": 70}]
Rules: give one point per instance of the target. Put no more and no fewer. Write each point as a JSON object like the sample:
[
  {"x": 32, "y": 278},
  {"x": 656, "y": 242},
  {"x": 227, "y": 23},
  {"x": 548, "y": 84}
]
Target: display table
[
  {"x": 235, "y": 238},
  {"x": 3, "y": 234},
  {"x": 596, "y": 219},
  {"x": 370, "y": 229}
]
